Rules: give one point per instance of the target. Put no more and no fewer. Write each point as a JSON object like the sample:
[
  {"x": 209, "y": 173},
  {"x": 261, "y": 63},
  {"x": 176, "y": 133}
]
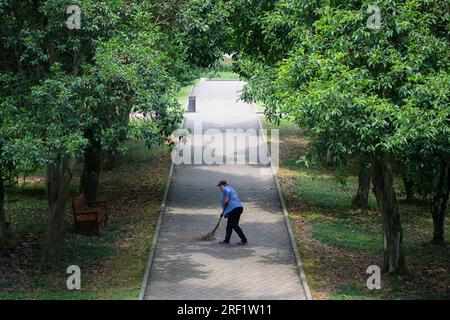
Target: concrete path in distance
[{"x": 183, "y": 268}]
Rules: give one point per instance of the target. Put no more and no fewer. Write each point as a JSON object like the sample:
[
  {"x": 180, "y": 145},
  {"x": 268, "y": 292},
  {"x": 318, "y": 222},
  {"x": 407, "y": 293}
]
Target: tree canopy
[
  {"x": 381, "y": 93},
  {"x": 67, "y": 93},
  {"x": 378, "y": 93}
]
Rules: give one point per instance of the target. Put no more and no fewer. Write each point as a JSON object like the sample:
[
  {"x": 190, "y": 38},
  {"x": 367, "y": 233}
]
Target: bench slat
[{"x": 85, "y": 216}]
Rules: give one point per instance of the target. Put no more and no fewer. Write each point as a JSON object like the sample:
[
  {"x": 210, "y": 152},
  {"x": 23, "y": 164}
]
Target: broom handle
[{"x": 217, "y": 226}]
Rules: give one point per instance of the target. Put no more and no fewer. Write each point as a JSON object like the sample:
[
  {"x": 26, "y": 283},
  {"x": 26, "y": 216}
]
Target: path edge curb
[
  {"x": 300, "y": 269},
  {"x": 162, "y": 211}
]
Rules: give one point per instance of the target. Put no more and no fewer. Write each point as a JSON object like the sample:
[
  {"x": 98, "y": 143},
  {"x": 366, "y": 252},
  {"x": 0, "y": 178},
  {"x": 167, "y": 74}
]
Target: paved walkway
[{"x": 187, "y": 269}]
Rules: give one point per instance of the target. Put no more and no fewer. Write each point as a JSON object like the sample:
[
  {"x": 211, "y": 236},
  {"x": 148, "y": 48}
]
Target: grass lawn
[
  {"x": 184, "y": 92},
  {"x": 223, "y": 75},
  {"x": 112, "y": 264},
  {"x": 338, "y": 243}
]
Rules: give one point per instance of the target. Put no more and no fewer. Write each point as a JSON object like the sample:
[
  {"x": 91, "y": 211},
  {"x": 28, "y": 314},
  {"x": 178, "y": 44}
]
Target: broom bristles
[{"x": 210, "y": 235}]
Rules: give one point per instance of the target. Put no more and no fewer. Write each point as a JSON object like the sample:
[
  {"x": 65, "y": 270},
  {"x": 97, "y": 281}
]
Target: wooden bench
[{"x": 89, "y": 215}]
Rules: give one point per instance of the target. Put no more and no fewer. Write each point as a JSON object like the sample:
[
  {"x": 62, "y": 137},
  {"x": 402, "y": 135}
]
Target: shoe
[
  {"x": 223, "y": 242},
  {"x": 242, "y": 243}
]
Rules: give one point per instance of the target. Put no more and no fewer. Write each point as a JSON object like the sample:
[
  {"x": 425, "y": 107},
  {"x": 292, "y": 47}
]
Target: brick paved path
[{"x": 189, "y": 269}]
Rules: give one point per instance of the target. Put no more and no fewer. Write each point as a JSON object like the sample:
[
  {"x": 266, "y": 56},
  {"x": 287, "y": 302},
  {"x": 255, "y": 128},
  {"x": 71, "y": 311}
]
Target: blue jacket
[{"x": 233, "y": 202}]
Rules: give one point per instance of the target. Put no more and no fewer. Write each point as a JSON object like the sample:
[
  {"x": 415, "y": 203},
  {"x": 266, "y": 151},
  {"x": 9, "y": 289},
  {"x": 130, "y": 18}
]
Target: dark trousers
[{"x": 233, "y": 224}]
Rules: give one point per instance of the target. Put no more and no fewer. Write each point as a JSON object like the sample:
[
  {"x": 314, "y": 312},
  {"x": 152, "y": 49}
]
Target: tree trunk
[
  {"x": 440, "y": 204},
  {"x": 57, "y": 178},
  {"x": 90, "y": 176},
  {"x": 361, "y": 199},
  {"x": 109, "y": 157},
  {"x": 383, "y": 188},
  {"x": 3, "y": 226},
  {"x": 408, "y": 183},
  {"x": 329, "y": 155},
  {"x": 126, "y": 121},
  {"x": 109, "y": 160}
]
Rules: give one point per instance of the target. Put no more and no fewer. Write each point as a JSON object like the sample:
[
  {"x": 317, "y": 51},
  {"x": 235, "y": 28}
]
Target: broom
[{"x": 210, "y": 235}]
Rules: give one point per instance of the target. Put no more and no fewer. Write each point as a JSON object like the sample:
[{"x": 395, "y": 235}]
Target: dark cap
[{"x": 222, "y": 183}]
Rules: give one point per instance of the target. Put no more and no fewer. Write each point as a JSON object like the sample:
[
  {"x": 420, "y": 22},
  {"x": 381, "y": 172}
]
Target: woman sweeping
[{"x": 232, "y": 210}]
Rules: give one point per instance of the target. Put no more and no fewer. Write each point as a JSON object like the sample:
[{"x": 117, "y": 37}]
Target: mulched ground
[{"x": 113, "y": 263}]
